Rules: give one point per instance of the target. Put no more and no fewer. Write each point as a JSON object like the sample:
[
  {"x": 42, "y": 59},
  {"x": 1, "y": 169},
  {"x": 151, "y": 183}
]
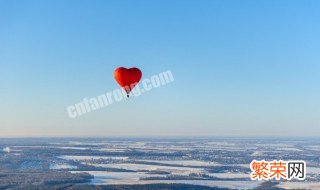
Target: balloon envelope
[{"x": 127, "y": 78}]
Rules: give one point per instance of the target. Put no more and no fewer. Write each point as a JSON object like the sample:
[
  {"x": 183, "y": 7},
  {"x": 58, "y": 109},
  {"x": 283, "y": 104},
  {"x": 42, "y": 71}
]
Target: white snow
[{"x": 82, "y": 158}]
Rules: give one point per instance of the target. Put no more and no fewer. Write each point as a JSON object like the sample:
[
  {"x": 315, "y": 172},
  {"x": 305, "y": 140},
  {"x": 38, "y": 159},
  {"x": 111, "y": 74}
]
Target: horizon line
[{"x": 157, "y": 136}]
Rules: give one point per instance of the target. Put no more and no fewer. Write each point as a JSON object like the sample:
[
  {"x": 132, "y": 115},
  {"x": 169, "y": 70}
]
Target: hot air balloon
[{"x": 127, "y": 78}]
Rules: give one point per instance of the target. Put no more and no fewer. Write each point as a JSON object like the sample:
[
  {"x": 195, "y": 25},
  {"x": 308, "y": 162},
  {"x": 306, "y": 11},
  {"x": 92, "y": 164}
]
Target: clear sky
[{"x": 240, "y": 67}]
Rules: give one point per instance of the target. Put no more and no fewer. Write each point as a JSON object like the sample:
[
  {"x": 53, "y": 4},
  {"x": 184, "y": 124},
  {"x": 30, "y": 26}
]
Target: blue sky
[{"x": 240, "y": 67}]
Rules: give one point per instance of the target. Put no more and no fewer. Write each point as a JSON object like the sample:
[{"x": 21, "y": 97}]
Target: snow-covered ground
[
  {"x": 300, "y": 185},
  {"x": 61, "y": 166},
  {"x": 72, "y": 147},
  {"x": 184, "y": 162},
  {"x": 103, "y": 178},
  {"x": 139, "y": 167},
  {"x": 230, "y": 175},
  {"x": 81, "y": 158}
]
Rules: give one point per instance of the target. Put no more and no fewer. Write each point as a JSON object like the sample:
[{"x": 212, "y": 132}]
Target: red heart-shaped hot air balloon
[{"x": 127, "y": 78}]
